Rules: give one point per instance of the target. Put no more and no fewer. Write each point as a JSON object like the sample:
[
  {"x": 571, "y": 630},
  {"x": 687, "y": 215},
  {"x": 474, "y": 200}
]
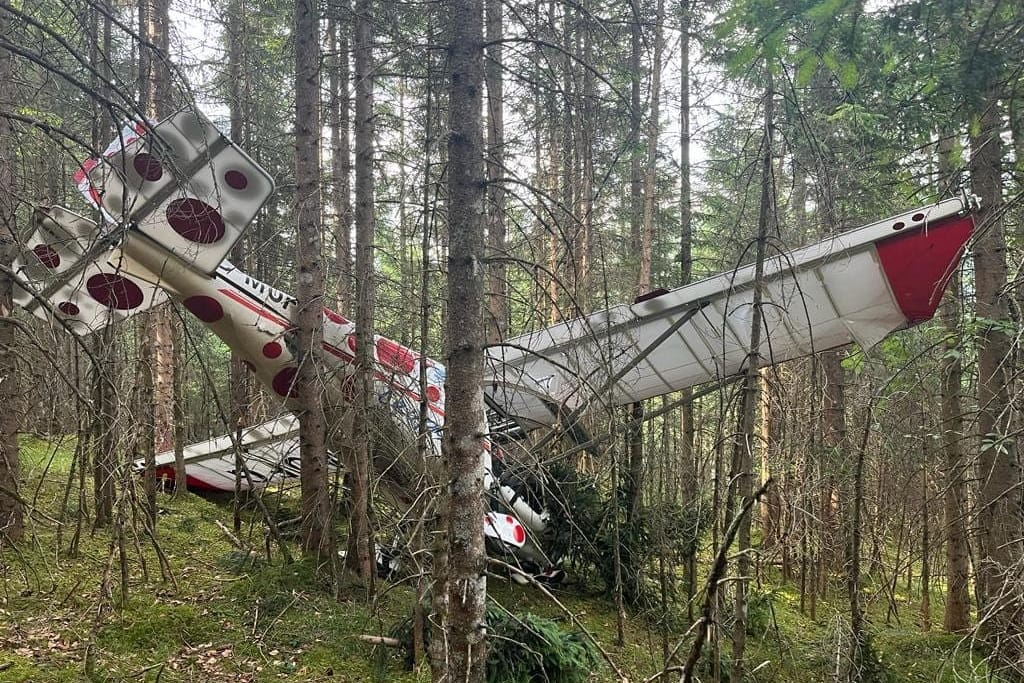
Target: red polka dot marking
[
  {"x": 206, "y": 308},
  {"x": 68, "y": 308},
  {"x": 114, "y": 291},
  {"x": 272, "y": 349},
  {"x": 433, "y": 394},
  {"x": 236, "y": 180},
  {"x": 148, "y": 166},
  {"x": 351, "y": 341},
  {"x": 196, "y": 221},
  {"x": 46, "y": 255},
  {"x": 519, "y": 534},
  {"x": 284, "y": 381}
]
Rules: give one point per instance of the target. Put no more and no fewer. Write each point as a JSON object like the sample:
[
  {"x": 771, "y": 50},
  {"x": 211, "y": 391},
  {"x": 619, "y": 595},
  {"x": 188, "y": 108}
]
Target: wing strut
[{"x": 570, "y": 420}]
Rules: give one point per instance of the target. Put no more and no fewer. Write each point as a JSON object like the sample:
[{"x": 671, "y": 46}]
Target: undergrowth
[{"x": 231, "y": 616}]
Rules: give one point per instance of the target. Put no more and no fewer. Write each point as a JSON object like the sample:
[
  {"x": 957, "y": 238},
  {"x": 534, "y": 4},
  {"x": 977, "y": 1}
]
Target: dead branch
[{"x": 714, "y": 580}]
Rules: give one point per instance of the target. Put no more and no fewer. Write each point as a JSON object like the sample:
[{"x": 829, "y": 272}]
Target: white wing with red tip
[{"x": 856, "y": 287}]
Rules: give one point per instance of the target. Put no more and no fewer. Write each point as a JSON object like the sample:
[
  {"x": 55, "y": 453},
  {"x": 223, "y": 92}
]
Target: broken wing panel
[
  {"x": 185, "y": 186},
  {"x": 270, "y": 452}
]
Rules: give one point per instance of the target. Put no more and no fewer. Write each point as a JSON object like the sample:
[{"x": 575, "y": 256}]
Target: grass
[{"x": 226, "y": 620}]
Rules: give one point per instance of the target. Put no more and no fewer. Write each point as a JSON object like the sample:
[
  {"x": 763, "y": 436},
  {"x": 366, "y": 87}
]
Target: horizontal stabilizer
[
  {"x": 185, "y": 186},
  {"x": 68, "y": 274}
]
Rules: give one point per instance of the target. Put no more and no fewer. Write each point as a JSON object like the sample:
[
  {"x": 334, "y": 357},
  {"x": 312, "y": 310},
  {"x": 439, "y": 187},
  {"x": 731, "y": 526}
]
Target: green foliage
[
  {"x": 760, "y": 609},
  {"x": 584, "y": 532},
  {"x": 706, "y": 666},
  {"x": 866, "y": 666},
  {"x": 532, "y": 649},
  {"x": 522, "y": 648}
]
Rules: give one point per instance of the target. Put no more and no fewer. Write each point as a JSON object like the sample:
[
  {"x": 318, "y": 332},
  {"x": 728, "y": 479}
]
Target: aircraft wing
[
  {"x": 270, "y": 452},
  {"x": 858, "y": 286}
]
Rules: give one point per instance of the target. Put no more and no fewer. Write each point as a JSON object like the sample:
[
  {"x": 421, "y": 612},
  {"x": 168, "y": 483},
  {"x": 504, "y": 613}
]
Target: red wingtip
[{"x": 919, "y": 264}]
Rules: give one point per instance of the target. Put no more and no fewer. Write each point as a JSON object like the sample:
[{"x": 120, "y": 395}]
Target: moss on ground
[{"x": 226, "y": 617}]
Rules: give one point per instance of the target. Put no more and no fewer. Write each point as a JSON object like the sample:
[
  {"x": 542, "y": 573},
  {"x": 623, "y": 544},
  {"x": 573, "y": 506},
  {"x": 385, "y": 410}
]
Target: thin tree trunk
[
  {"x": 11, "y": 512},
  {"x": 926, "y": 598},
  {"x": 341, "y": 153},
  {"x": 957, "y": 614},
  {"x": 497, "y": 304},
  {"x": 651, "y": 170},
  {"x": 317, "y": 520},
  {"x": 743, "y": 461},
  {"x": 687, "y": 455},
  {"x": 238, "y": 106},
  {"x": 360, "y": 554},
  {"x": 103, "y": 372},
  {"x": 853, "y": 578},
  {"x": 155, "y": 97},
  {"x": 465, "y": 425},
  {"x": 998, "y": 471},
  {"x": 585, "y": 237}
]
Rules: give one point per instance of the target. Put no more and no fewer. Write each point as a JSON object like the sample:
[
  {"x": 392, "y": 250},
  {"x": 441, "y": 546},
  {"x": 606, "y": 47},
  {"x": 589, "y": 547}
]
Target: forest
[{"x": 456, "y": 176}]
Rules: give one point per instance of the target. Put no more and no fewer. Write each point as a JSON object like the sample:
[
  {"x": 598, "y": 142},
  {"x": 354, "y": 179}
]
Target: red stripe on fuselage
[
  {"x": 255, "y": 308},
  {"x": 335, "y": 351}
]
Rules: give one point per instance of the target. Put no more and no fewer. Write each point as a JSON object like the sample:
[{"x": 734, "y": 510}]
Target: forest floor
[{"x": 226, "y": 620}]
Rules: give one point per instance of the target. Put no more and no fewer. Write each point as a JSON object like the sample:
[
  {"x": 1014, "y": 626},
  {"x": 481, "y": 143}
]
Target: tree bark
[
  {"x": 743, "y": 457},
  {"x": 11, "y": 512},
  {"x": 497, "y": 304},
  {"x": 957, "y": 614},
  {"x": 465, "y": 426},
  {"x": 341, "y": 153},
  {"x": 317, "y": 526},
  {"x": 103, "y": 372},
  {"x": 155, "y": 94},
  {"x": 688, "y": 463},
  {"x": 360, "y": 554},
  {"x": 998, "y": 471},
  {"x": 238, "y": 106}
]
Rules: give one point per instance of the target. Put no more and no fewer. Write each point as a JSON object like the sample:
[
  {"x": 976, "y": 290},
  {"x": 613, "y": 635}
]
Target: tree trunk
[
  {"x": 651, "y": 170},
  {"x": 238, "y": 105},
  {"x": 465, "y": 426},
  {"x": 360, "y": 546},
  {"x": 11, "y": 513},
  {"x": 341, "y": 153},
  {"x": 497, "y": 304},
  {"x": 957, "y": 614},
  {"x": 743, "y": 460},
  {"x": 998, "y": 471},
  {"x": 926, "y": 598},
  {"x": 105, "y": 406},
  {"x": 155, "y": 95},
  {"x": 317, "y": 520},
  {"x": 687, "y": 456}
]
